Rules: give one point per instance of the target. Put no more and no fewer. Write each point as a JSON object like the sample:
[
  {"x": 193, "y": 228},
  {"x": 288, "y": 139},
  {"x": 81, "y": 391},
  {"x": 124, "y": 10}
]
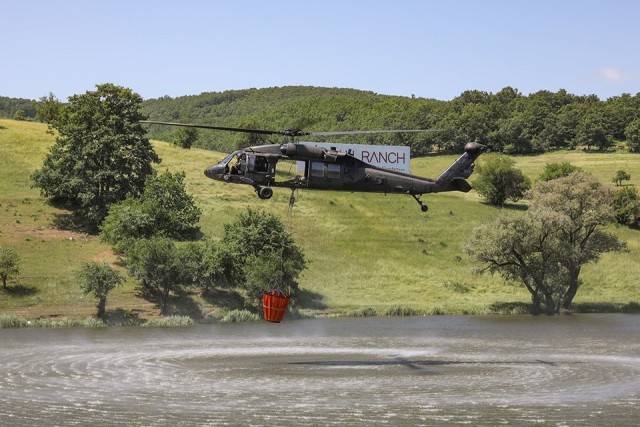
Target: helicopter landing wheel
[
  {"x": 423, "y": 207},
  {"x": 264, "y": 192}
]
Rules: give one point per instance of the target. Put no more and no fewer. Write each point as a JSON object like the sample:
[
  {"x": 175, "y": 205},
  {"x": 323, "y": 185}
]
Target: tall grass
[
  {"x": 13, "y": 321},
  {"x": 170, "y": 321}
]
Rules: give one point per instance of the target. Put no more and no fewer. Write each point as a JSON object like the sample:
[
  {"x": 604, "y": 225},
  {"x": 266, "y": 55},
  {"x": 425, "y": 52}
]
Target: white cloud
[{"x": 611, "y": 74}]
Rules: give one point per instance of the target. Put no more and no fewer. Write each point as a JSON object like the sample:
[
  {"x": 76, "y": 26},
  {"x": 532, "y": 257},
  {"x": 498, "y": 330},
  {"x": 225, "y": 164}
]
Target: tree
[
  {"x": 126, "y": 222},
  {"x": 512, "y": 136},
  {"x": 632, "y": 133},
  {"x": 258, "y": 254},
  {"x": 546, "y": 247},
  {"x": 622, "y": 110},
  {"x": 19, "y": 116},
  {"x": 9, "y": 264},
  {"x": 185, "y": 137},
  {"x": 98, "y": 279},
  {"x": 164, "y": 208},
  {"x": 101, "y": 154},
  {"x": 174, "y": 211},
  {"x": 585, "y": 207},
  {"x": 158, "y": 267},
  {"x": 557, "y": 170},
  {"x": 203, "y": 264},
  {"x": 620, "y": 176},
  {"x": 519, "y": 248},
  {"x": 498, "y": 180},
  {"x": 594, "y": 129},
  {"x": 48, "y": 109},
  {"x": 626, "y": 205}
]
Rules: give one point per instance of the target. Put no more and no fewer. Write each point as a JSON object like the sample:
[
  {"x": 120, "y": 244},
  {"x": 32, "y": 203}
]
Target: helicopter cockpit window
[
  {"x": 229, "y": 158},
  {"x": 238, "y": 168},
  {"x": 333, "y": 170}
]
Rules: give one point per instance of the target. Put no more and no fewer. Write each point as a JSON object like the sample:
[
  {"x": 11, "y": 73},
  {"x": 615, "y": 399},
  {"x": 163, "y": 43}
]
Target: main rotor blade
[
  {"x": 190, "y": 125},
  {"x": 356, "y": 132},
  {"x": 287, "y": 132}
]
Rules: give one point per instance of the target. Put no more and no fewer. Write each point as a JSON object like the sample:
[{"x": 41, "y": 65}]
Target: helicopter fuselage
[{"x": 336, "y": 171}]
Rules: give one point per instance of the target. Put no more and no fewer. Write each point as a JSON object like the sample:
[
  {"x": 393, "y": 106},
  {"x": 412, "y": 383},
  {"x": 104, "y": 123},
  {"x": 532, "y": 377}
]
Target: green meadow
[{"x": 367, "y": 253}]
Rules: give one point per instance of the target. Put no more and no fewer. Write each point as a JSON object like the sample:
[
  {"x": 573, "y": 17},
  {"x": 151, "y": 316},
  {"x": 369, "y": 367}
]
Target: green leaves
[
  {"x": 557, "y": 170},
  {"x": 163, "y": 209},
  {"x": 258, "y": 254},
  {"x": 101, "y": 155},
  {"x": 98, "y": 279},
  {"x": 498, "y": 181},
  {"x": 157, "y": 266},
  {"x": 9, "y": 264}
]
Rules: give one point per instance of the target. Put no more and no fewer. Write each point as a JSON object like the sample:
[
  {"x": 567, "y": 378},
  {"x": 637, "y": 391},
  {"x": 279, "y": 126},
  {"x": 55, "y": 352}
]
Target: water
[{"x": 473, "y": 370}]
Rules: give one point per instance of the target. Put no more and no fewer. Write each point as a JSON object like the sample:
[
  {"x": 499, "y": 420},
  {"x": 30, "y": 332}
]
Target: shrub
[
  {"x": 400, "y": 310},
  {"x": 13, "y": 321},
  {"x": 363, "y": 312},
  {"x": 626, "y": 206},
  {"x": 235, "y": 316},
  {"x": 498, "y": 181}
]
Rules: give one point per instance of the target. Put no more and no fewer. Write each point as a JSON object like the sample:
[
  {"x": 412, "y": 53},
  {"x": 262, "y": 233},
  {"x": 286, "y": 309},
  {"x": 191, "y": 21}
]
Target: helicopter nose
[{"x": 214, "y": 171}]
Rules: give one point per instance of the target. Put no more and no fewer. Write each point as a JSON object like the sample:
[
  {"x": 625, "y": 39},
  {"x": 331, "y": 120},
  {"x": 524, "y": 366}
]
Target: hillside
[
  {"x": 302, "y": 107},
  {"x": 364, "y": 250}
]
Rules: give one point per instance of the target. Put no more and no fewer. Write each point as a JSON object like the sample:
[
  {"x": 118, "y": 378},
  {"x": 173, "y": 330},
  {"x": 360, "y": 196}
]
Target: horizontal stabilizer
[{"x": 461, "y": 184}]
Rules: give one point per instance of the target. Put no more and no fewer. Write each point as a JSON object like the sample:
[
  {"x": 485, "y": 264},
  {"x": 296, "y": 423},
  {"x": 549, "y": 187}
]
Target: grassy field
[{"x": 365, "y": 251}]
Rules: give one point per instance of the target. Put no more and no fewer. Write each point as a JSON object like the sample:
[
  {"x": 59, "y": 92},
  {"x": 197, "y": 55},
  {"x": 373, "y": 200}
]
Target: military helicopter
[{"x": 326, "y": 169}]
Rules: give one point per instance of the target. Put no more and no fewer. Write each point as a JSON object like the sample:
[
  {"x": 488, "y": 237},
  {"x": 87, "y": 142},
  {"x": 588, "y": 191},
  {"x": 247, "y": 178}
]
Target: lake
[{"x": 434, "y": 370}]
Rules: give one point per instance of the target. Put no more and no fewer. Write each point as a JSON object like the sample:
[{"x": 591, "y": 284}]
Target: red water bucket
[{"x": 274, "y": 305}]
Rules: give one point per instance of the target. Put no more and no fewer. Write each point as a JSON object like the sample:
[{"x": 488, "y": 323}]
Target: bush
[
  {"x": 498, "y": 181},
  {"x": 158, "y": 267},
  {"x": 164, "y": 209},
  {"x": 13, "y": 321},
  {"x": 363, "y": 312},
  {"x": 400, "y": 310},
  {"x": 9, "y": 264},
  {"x": 258, "y": 254},
  {"x": 235, "y": 316},
  {"x": 557, "y": 170},
  {"x": 626, "y": 206},
  {"x": 185, "y": 137}
]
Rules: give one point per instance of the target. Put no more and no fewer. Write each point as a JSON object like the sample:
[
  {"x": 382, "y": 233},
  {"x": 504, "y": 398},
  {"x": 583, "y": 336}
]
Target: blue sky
[{"x": 428, "y": 48}]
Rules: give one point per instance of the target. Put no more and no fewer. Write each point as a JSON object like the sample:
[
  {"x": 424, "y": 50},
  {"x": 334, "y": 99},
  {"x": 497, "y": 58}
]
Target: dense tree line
[
  {"x": 507, "y": 120},
  {"x": 17, "y": 108}
]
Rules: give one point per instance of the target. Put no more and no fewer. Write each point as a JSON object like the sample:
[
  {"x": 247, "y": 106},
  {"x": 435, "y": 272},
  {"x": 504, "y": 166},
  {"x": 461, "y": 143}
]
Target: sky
[{"x": 425, "y": 48}]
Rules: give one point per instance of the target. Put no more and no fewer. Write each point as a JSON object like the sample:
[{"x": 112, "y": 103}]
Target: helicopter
[{"x": 329, "y": 169}]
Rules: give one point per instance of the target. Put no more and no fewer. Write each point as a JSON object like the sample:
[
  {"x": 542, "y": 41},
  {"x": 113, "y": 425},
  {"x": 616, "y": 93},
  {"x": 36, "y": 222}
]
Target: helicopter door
[{"x": 258, "y": 169}]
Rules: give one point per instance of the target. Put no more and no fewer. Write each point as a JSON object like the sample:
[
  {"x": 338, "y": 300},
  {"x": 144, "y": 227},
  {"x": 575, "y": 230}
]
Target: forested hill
[
  {"x": 300, "y": 107},
  {"x": 507, "y": 121},
  {"x": 18, "y": 108}
]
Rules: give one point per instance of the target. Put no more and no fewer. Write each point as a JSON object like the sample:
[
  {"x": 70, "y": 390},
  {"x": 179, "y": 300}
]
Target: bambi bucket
[{"x": 274, "y": 305}]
